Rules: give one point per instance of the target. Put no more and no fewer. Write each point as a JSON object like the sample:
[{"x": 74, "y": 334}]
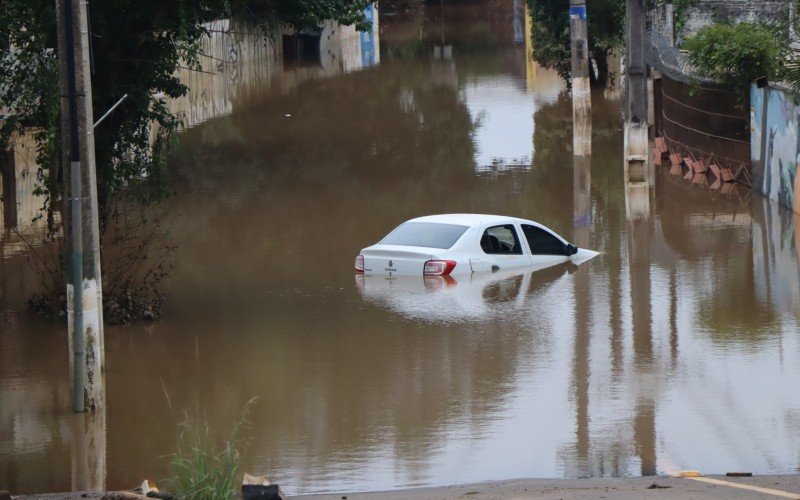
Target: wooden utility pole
[
  {"x": 581, "y": 93},
  {"x": 84, "y": 293}
]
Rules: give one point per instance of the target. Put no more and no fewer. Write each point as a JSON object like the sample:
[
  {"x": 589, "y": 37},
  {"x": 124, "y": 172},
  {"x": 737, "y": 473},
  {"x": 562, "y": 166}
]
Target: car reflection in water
[{"x": 478, "y": 296}]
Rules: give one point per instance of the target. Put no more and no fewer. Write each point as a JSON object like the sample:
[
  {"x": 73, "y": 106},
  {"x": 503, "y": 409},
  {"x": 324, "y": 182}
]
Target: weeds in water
[{"x": 203, "y": 468}]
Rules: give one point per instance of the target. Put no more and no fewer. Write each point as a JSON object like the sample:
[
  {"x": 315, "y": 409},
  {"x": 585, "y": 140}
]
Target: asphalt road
[
  {"x": 659, "y": 487},
  {"x": 708, "y": 487}
]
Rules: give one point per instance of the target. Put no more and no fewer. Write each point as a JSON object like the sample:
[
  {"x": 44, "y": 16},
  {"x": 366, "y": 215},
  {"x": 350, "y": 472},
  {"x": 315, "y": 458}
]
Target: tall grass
[{"x": 204, "y": 468}]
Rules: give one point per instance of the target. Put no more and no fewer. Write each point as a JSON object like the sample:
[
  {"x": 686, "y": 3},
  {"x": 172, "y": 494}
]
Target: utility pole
[
  {"x": 581, "y": 94},
  {"x": 81, "y": 217},
  {"x": 81, "y": 223},
  {"x": 636, "y": 142}
]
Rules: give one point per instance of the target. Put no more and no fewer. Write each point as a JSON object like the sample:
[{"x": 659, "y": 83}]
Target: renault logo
[{"x": 391, "y": 263}]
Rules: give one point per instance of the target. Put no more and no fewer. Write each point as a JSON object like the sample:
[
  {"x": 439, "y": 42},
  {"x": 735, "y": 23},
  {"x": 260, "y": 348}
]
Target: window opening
[{"x": 501, "y": 240}]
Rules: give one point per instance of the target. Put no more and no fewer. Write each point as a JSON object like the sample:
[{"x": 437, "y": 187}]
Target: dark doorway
[
  {"x": 9, "y": 193},
  {"x": 301, "y": 49}
]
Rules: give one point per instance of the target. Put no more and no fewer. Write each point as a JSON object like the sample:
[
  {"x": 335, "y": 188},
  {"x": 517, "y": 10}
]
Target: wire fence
[{"x": 661, "y": 54}]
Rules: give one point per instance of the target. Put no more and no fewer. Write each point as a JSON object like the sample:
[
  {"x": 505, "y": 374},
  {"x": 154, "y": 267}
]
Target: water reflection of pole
[
  {"x": 441, "y": 20},
  {"x": 639, "y": 229},
  {"x": 88, "y": 451},
  {"x": 581, "y": 222},
  {"x": 581, "y": 370}
]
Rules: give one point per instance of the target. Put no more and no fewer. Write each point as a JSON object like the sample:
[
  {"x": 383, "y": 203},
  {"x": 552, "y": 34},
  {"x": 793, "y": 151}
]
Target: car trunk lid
[{"x": 396, "y": 260}]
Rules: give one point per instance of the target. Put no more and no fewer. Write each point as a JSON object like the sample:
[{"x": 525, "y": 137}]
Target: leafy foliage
[
  {"x": 680, "y": 14},
  {"x": 29, "y": 84},
  {"x": 550, "y": 34},
  {"x": 736, "y": 55}
]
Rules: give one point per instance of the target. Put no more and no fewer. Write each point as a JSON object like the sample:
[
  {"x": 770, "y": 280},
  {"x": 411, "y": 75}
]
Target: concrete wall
[
  {"x": 774, "y": 147},
  {"x": 706, "y": 12},
  {"x": 235, "y": 61},
  {"x": 28, "y": 205},
  {"x": 239, "y": 62}
]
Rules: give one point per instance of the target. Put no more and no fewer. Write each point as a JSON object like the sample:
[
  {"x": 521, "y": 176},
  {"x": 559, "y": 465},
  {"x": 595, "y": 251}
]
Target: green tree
[
  {"x": 550, "y": 34},
  {"x": 736, "y": 55}
]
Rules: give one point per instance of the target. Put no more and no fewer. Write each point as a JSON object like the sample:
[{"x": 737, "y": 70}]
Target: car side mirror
[{"x": 571, "y": 249}]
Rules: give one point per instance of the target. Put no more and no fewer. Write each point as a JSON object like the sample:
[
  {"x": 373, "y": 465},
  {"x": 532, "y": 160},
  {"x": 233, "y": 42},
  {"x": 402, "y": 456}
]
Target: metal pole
[{"x": 116, "y": 104}]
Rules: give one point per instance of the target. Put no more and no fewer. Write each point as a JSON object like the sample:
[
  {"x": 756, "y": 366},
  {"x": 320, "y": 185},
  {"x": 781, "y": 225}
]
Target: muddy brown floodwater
[{"x": 677, "y": 348}]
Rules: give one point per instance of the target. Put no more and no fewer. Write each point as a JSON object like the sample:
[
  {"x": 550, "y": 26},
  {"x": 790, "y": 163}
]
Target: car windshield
[{"x": 425, "y": 234}]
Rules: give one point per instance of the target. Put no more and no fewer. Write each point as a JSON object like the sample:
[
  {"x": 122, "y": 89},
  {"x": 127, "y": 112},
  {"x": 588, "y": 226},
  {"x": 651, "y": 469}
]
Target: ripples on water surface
[{"x": 676, "y": 348}]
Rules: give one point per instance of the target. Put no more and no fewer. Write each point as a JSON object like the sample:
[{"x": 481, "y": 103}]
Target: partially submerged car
[{"x": 457, "y": 244}]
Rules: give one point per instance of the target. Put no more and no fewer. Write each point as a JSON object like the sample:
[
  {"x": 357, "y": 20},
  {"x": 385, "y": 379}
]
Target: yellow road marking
[{"x": 759, "y": 489}]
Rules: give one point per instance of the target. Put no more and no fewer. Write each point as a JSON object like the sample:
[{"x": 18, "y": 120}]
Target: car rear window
[{"x": 425, "y": 234}]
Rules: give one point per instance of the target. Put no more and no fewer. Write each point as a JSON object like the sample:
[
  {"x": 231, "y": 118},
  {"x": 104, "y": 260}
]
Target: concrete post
[
  {"x": 78, "y": 159},
  {"x": 668, "y": 26},
  {"x": 636, "y": 103},
  {"x": 84, "y": 293},
  {"x": 636, "y": 167},
  {"x": 581, "y": 95}
]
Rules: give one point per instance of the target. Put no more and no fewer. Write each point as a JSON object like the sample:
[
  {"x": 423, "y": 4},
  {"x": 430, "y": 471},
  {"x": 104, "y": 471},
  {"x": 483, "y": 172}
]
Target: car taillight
[
  {"x": 360, "y": 264},
  {"x": 438, "y": 267}
]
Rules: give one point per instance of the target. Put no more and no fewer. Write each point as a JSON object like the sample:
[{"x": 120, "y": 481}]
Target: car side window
[
  {"x": 501, "y": 240},
  {"x": 541, "y": 242}
]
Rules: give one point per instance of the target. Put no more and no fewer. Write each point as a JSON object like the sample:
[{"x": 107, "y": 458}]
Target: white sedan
[{"x": 457, "y": 244}]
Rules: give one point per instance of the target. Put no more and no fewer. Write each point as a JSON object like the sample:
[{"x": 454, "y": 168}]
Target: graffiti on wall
[{"x": 774, "y": 146}]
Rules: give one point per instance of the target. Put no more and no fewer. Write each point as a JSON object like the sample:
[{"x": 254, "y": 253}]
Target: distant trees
[{"x": 550, "y": 34}]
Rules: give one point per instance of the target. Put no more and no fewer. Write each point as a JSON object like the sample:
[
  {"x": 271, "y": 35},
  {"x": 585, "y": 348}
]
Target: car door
[
  {"x": 545, "y": 248},
  {"x": 501, "y": 247}
]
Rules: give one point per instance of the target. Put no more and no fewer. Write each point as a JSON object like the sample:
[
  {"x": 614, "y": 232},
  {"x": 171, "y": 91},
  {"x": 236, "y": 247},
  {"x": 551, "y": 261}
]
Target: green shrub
[
  {"x": 204, "y": 469},
  {"x": 736, "y": 55}
]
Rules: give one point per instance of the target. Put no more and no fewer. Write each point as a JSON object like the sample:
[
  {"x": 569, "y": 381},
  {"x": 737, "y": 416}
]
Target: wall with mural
[{"x": 774, "y": 147}]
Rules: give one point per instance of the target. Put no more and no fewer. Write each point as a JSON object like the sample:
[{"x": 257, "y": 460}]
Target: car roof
[{"x": 467, "y": 219}]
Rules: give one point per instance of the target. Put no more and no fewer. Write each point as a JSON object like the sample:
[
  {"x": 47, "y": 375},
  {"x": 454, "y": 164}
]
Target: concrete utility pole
[
  {"x": 84, "y": 294},
  {"x": 581, "y": 94},
  {"x": 636, "y": 145}
]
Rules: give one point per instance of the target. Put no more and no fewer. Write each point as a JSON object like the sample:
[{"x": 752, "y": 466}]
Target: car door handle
[{"x": 495, "y": 268}]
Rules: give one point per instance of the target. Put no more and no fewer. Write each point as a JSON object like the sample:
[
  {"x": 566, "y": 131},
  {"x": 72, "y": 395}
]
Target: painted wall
[{"x": 774, "y": 147}]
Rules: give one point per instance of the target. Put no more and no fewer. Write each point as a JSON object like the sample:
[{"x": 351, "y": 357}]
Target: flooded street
[{"x": 677, "y": 348}]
